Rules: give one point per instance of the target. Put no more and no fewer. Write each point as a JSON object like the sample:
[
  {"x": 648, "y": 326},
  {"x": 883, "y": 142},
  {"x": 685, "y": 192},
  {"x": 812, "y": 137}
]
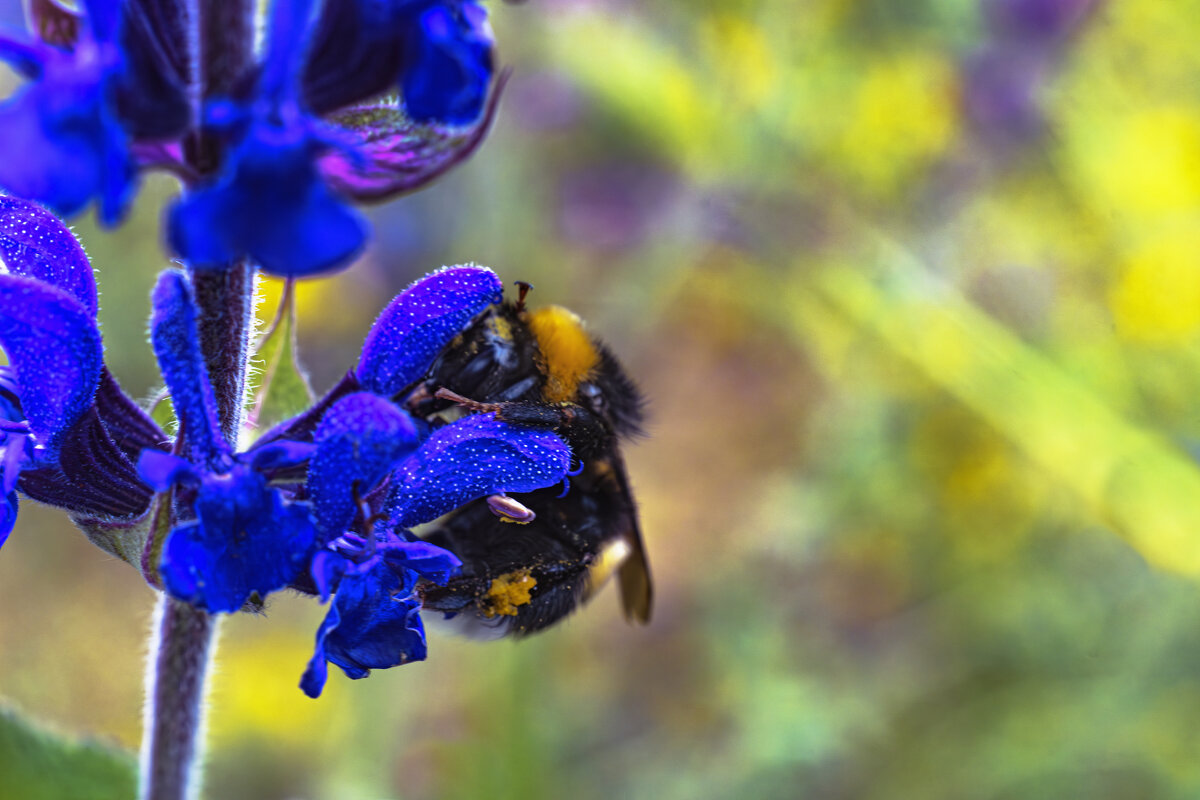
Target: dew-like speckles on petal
[
  {"x": 473, "y": 458},
  {"x": 422, "y": 320},
  {"x": 34, "y": 243},
  {"x": 54, "y": 346},
  {"x": 358, "y": 441}
]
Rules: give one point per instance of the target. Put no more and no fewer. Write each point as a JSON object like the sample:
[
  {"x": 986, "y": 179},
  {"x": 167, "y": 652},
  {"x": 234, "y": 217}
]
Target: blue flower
[
  {"x": 437, "y": 53},
  {"x": 270, "y": 204},
  {"x": 16, "y": 450},
  {"x": 409, "y": 84},
  {"x": 365, "y": 444},
  {"x": 475, "y": 457},
  {"x": 448, "y": 64},
  {"x": 420, "y": 322},
  {"x": 270, "y": 201},
  {"x": 48, "y": 329},
  {"x": 68, "y": 433},
  {"x": 72, "y": 143},
  {"x": 246, "y": 538},
  {"x": 374, "y": 620}
]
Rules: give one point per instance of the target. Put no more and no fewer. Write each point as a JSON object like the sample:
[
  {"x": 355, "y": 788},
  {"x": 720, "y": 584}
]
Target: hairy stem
[
  {"x": 225, "y": 55},
  {"x": 225, "y": 297},
  {"x": 184, "y": 635},
  {"x": 226, "y": 301},
  {"x": 176, "y": 682}
]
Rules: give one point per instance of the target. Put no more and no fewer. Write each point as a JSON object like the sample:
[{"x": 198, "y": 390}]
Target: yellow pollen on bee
[
  {"x": 508, "y": 593},
  {"x": 501, "y": 327},
  {"x": 568, "y": 352}
]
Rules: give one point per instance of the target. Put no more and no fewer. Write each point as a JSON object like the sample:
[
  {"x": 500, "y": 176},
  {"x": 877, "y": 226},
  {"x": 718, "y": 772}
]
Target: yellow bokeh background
[{"x": 920, "y": 487}]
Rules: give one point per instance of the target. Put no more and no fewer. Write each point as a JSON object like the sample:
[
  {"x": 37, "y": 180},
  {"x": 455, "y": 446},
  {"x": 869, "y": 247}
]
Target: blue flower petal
[
  {"x": 373, "y": 623},
  {"x": 327, "y": 568},
  {"x": 15, "y": 447},
  {"x": 25, "y": 57},
  {"x": 270, "y": 203},
  {"x": 54, "y": 347},
  {"x": 289, "y": 24},
  {"x": 472, "y": 458},
  {"x": 35, "y": 243},
  {"x": 14, "y": 454},
  {"x": 447, "y": 76},
  {"x": 359, "y": 441},
  {"x": 312, "y": 682},
  {"x": 199, "y": 228},
  {"x": 421, "y": 321},
  {"x": 173, "y": 333},
  {"x": 246, "y": 540},
  {"x": 280, "y": 455},
  {"x": 8, "y": 516},
  {"x": 162, "y": 470},
  {"x": 73, "y": 147},
  {"x": 427, "y": 560},
  {"x": 103, "y": 17}
]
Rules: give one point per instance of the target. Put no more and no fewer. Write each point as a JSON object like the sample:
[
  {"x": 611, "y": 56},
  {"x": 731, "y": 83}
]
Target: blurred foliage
[
  {"x": 923, "y": 349},
  {"x": 40, "y": 765}
]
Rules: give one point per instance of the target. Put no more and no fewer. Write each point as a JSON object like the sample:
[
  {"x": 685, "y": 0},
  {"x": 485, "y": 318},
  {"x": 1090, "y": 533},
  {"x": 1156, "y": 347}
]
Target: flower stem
[
  {"x": 184, "y": 636},
  {"x": 176, "y": 681},
  {"x": 226, "y": 302}
]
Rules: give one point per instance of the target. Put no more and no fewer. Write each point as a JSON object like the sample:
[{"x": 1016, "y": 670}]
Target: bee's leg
[
  {"x": 467, "y": 403},
  {"x": 585, "y": 431}
]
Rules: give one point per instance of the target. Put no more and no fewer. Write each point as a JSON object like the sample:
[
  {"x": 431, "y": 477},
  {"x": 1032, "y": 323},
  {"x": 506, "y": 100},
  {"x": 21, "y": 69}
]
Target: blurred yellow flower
[
  {"x": 1144, "y": 165},
  {"x": 259, "y": 698},
  {"x": 740, "y": 52},
  {"x": 901, "y": 118},
  {"x": 1156, "y": 299}
]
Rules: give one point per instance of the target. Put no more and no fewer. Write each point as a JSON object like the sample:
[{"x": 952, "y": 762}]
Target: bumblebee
[{"x": 530, "y": 559}]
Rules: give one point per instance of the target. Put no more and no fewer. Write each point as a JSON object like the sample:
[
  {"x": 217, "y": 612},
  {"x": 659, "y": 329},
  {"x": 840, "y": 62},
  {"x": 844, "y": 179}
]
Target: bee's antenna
[{"x": 525, "y": 289}]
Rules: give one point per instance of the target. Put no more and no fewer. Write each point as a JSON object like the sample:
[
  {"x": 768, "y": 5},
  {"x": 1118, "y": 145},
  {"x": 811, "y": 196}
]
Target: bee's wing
[{"x": 626, "y": 554}]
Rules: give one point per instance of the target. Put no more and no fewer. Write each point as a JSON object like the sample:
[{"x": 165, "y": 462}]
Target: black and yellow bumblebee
[{"x": 530, "y": 559}]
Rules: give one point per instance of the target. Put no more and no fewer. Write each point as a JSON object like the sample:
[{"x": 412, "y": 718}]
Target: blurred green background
[{"x": 914, "y": 288}]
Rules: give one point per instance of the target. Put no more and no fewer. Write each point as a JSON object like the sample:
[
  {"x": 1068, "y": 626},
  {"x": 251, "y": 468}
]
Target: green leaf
[
  {"x": 162, "y": 411},
  {"x": 37, "y": 764},
  {"x": 284, "y": 390}
]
